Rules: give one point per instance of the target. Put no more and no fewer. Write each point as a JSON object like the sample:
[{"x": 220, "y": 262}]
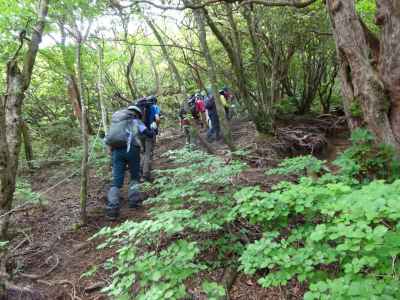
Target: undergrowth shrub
[
  {"x": 366, "y": 160},
  {"x": 3, "y": 245},
  {"x": 98, "y": 157},
  {"x": 160, "y": 254},
  {"x": 61, "y": 134},
  {"x": 300, "y": 165},
  {"x": 337, "y": 232},
  {"x": 24, "y": 194}
]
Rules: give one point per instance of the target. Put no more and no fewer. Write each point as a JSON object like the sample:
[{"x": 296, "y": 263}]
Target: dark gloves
[{"x": 149, "y": 132}]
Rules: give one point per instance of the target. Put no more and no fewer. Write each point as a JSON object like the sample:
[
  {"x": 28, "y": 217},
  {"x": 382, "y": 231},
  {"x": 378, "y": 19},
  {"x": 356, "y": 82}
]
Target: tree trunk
[
  {"x": 171, "y": 63},
  {"x": 157, "y": 89},
  {"x": 10, "y": 117},
  {"x": 361, "y": 85},
  {"x": 27, "y": 144},
  {"x": 242, "y": 82},
  {"x": 264, "y": 113},
  {"x": 128, "y": 72},
  {"x": 325, "y": 90},
  {"x": 388, "y": 17},
  {"x": 100, "y": 88},
  {"x": 226, "y": 130},
  {"x": 233, "y": 50},
  {"x": 84, "y": 163},
  {"x": 71, "y": 81}
]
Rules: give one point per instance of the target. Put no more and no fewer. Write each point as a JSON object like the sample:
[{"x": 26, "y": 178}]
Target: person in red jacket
[{"x": 200, "y": 109}]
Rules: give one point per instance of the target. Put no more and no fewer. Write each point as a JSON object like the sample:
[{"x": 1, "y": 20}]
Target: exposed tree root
[
  {"x": 300, "y": 140},
  {"x": 39, "y": 276}
]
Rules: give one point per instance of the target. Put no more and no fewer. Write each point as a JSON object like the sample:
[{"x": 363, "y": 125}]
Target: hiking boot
[
  {"x": 148, "y": 178},
  {"x": 135, "y": 205},
  {"x": 133, "y": 194},
  {"x": 112, "y": 213}
]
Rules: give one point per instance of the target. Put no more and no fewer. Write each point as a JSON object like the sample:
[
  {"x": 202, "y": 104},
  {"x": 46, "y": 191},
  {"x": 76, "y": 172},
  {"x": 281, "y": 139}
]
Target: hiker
[
  {"x": 226, "y": 99},
  {"x": 151, "y": 118},
  {"x": 200, "y": 109},
  {"x": 184, "y": 120},
  {"x": 213, "y": 133},
  {"x": 123, "y": 140}
]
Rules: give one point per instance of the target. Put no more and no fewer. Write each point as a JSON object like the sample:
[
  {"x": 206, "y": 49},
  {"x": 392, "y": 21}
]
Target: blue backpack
[{"x": 145, "y": 104}]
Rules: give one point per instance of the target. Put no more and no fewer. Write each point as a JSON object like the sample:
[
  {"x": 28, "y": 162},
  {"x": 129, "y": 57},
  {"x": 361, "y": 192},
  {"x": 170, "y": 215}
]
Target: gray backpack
[{"x": 122, "y": 131}]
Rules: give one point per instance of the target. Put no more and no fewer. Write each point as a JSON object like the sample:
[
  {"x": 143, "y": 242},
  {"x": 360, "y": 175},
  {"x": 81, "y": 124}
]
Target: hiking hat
[{"x": 136, "y": 109}]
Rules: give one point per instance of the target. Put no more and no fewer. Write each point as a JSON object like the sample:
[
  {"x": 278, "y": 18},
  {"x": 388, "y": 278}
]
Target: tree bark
[
  {"x": 85, "y": 138},
  {"x": 100, "y": 88},
  {"x": 361, "y": 84},
  {"x": 388, "y": 18},
  {"x": 10, "y": 116},
  {"x": 27, "y": 144}
]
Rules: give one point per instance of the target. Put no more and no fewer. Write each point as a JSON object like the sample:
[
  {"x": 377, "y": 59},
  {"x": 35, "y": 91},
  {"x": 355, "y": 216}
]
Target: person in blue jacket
[
  {"x": 151, "y": 118},
  {"x": 125, "y": 154}
]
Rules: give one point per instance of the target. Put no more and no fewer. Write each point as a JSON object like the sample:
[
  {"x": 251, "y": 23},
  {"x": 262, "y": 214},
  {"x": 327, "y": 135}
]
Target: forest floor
[{"x": 49, "y": 254}]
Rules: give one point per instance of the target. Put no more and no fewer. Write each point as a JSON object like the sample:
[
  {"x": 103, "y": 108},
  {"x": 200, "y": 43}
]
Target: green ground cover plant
[{"x": 337, "y": 232}]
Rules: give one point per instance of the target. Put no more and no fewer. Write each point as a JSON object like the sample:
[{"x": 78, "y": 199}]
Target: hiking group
[
  {"x": 200, "y": 110},
  {"x": 133, "y": 132}
]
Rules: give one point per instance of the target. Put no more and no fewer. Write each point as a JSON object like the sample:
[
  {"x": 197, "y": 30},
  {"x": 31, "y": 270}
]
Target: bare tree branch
[
  {"x": 117, "y": 4},
  {"x": 293, "y": 3}
]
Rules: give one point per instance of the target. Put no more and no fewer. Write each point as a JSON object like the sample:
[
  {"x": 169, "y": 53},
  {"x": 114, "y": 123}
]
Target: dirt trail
[
  {"x": 49, "y": 240},
  {"x": 47, "y": 244}
]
